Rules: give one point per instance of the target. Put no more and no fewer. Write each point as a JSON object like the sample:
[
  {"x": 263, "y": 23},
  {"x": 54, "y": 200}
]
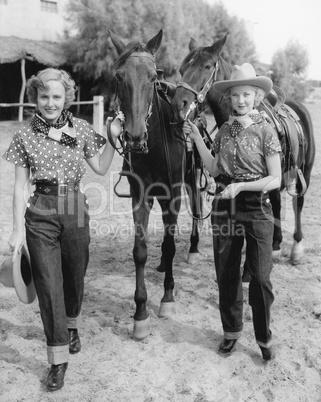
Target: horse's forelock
[
  {"x": 193, "y": 55},
  {"x": 129, "y": 49}
]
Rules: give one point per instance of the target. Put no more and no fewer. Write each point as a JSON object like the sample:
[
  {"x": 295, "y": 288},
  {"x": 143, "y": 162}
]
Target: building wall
[{"x": 33, "y": 19}]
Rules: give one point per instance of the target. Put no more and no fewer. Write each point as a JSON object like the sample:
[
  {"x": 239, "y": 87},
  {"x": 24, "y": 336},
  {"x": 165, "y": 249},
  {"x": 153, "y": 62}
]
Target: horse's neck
[{"x": 221, "y": 113}]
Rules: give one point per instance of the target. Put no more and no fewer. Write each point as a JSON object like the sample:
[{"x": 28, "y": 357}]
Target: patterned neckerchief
[
  {"x": 64, "y": 125},
  {"x": 238, "y": 123}
]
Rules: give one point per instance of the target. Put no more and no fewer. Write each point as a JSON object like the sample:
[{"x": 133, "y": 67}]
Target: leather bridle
[{"x": 200, "y": 96}]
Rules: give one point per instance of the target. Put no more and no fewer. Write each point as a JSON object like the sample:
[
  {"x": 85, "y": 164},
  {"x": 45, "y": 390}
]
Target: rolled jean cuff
[
  {"x": 73, "y": 322},
  {"x": 265, "y": 344},
  {"x": 58, "y": 354},
  {"x": 232, "y": 335}
]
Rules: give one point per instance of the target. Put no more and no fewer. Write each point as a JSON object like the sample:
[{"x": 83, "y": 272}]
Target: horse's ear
[
  {"x": 118, "y": 43},
  {"x": 217, "y": 46},
  {"x": 154, "y": 44},
  {"x": 192, "y": 44}
]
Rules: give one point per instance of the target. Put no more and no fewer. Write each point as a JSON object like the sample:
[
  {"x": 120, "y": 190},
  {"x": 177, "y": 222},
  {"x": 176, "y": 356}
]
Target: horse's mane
[
  {"x": 130, "y": 49},
  {"x": 224, "y": 68}
]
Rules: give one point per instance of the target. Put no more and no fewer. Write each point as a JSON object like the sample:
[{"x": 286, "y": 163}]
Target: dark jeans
[
  {"x": 248, "y": 216},
  {"x": 57, "y": 233}
]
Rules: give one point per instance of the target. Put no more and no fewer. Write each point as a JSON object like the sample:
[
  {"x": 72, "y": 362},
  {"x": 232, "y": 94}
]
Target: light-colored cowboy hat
[
  {"x": 18, "y": 274},
  {"x": 244, "y": 75}
]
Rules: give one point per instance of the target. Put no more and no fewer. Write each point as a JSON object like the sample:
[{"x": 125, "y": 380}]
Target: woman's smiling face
[
  {"x": 242, "y": 98},
  {"x": 51, "y": 100}
]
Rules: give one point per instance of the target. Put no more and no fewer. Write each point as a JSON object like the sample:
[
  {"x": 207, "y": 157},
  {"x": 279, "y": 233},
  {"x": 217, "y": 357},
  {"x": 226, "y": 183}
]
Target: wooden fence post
[{"x": 98, "y": 121}]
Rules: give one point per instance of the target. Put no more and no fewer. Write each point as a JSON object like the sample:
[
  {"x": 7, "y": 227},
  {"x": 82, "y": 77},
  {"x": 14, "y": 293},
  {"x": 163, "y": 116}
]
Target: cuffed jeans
[
  {"x": 248, "y": 216},
  {"x": 57, "y": 233}
]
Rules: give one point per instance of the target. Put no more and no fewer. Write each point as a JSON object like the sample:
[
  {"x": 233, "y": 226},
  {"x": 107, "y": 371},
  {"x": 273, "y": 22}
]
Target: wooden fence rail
[{"x": 98, "y": 110}]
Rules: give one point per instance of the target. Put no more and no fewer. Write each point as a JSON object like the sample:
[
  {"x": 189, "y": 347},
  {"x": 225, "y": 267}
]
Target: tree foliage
[
  {"x": 92, "y": 55},
  {"x": 289, "y": 66}
]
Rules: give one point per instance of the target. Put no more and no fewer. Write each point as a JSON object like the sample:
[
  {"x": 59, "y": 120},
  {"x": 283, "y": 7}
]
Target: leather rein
[{"x": 195, "y": 106}]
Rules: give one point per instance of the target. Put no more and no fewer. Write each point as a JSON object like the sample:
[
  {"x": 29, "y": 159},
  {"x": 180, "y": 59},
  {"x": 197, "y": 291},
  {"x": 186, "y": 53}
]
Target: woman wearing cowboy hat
[
  {"x": 50, "y": 153},
  {"x": 246, "y": 167}
]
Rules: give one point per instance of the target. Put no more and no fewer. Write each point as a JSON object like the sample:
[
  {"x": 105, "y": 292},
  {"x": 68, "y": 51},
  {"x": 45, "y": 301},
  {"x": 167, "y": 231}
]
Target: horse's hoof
[
  {"x": 142, "y": 329},
  {"x": 297, "y": 252},
  {"x": 193, "y": 258},
  {"x": 166, "y": 309},
  {"x": 276, "y": 255}
]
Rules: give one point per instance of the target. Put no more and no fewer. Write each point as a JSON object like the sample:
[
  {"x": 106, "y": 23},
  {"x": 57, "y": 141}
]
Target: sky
[{"x": 275, "y": 22}]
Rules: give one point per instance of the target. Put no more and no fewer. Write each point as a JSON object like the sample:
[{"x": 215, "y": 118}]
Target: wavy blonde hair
[{"x": 40, "y": 81}]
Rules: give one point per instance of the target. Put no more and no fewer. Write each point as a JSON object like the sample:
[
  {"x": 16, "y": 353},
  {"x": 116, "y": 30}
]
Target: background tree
[
  {"x": 289, "y": 66},
  {"x": 92, "y": 55}
]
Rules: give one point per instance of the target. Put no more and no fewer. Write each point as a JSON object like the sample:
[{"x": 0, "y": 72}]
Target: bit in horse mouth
[{"x": 141, "y": 149}]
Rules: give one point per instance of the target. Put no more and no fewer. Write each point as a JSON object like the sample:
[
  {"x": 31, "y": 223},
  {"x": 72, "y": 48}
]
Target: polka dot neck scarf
[
  {"x": 237, "y": 123},
  {"x": 40, "y": 125}
]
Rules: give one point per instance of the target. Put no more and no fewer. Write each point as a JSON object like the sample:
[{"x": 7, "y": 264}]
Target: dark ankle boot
[
  {"x": 74, "y": 341},
  {"x": 56, "y": 375},
  {"x": 227, "y": 345},
  {"x": 267, "y": 353}
]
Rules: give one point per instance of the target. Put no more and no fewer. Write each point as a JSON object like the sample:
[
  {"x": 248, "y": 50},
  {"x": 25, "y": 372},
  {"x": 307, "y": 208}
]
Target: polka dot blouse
[
  {"x": 50, "y": 161},
  {"x": 243, "y": 143}
]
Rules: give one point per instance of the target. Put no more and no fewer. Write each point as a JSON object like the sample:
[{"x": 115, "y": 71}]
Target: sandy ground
[{"x": 179, "y": 360}]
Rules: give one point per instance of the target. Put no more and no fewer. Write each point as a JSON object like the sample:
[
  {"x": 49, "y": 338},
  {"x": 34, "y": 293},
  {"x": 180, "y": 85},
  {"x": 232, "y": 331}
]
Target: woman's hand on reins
[
  {"x": 116, "y": 126},
  {"x": 190, "y": 130}
]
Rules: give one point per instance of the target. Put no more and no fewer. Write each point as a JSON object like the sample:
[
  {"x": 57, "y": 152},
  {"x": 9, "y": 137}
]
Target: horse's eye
[
  {"x": 208, "y": 67},
  {"x": 153, "y": 78}
]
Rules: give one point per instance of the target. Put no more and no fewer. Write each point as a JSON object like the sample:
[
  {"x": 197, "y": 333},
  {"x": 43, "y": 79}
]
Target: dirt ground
[{"x": 179, "y": 361}]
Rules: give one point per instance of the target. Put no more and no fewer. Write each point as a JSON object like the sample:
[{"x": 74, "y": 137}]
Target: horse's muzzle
[{"x": 137, "y": 146}]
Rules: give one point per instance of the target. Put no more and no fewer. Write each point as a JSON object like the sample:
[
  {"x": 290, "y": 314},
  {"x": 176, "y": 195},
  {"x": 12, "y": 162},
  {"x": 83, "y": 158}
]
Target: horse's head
[
  {"x": 199, "y": 70},
  {"x": 136, "y": 75}
]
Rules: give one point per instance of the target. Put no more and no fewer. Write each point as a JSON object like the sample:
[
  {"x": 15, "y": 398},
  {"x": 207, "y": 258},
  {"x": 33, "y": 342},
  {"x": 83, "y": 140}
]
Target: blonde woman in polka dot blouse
[
  {"x": 246, "y": 166},
  {"x": 50, "y": 152}
]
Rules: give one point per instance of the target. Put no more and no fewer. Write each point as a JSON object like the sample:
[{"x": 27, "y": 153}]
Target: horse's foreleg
[
  {"x": 297, "y": 247},
  {"x": 168, "y": 252},
  {"x": 194, "y": 193},
  {"x": 193, "y": 254},
  {"x": 275, "y": 198},
  {"x": 141, "y": 317}
]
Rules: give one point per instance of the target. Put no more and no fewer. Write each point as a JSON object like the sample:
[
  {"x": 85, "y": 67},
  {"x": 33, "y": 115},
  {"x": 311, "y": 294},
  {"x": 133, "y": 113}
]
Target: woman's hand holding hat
[{"x": 16, "y": 242}]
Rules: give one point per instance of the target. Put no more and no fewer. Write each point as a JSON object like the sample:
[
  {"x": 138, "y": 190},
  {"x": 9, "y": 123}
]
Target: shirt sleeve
[
  {"x": 217, "y": 142},
  {"x": 271, "y": 141},
  {"x": 94, "y": 142},
  {"x": 16, "y": 152}
]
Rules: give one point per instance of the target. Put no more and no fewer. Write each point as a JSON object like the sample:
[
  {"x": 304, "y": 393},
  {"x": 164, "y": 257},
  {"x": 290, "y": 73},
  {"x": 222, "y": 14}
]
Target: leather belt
[
  {"x": 61, "y": 190},
  {"x": 226, "y": 180}
]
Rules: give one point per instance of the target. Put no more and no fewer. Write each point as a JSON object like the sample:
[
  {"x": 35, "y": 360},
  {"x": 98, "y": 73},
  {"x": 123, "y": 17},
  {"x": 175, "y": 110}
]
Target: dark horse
[
  {"x": 154, "y": 164},
  {"x": 195, "y": 70}
]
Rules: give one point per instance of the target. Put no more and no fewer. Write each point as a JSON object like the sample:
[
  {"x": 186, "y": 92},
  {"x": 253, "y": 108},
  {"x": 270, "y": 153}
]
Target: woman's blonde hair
[
  {"x": 259, "y": 96},
  {"x": 40, "y": 81}
]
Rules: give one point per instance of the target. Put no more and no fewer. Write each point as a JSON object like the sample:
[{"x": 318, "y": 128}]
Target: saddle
[{"x": 287, "y": 124}]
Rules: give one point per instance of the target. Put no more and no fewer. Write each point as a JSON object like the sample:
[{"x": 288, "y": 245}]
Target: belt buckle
[{"x": 62, "y": 190}]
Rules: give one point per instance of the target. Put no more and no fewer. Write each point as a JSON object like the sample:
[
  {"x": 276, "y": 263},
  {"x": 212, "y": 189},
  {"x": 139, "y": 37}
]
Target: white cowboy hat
[
  {"x": 18, "y": 274},
  {"x": 244, "y": 75}
]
